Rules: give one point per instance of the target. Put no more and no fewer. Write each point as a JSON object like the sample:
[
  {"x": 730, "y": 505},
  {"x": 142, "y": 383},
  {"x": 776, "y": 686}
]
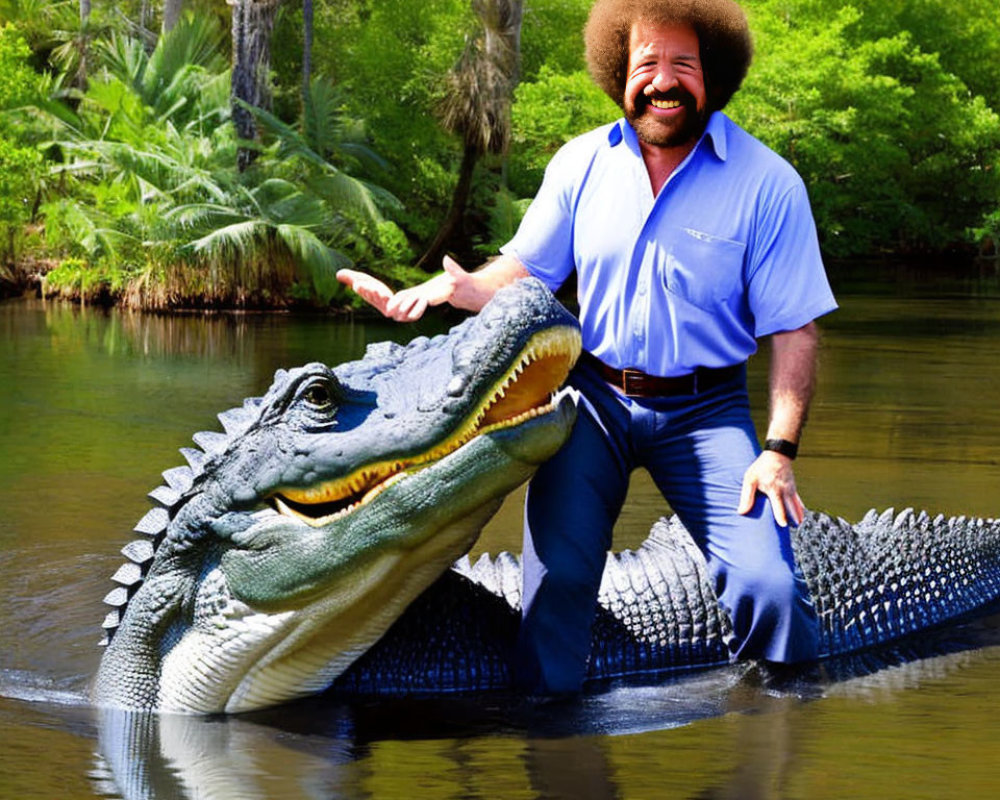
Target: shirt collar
[{"x": 715, "y": 135}]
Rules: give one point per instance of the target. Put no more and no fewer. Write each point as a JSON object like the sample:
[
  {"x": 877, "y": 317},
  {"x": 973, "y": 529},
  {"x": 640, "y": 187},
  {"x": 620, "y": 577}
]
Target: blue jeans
[{"x": 696, "y": 448}]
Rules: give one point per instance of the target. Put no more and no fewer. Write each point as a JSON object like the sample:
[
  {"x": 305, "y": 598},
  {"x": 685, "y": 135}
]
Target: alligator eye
[{"x": 318, "y": 396}]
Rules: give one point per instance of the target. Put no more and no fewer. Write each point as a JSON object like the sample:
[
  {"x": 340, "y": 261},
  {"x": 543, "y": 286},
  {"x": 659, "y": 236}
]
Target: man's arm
[
  {"x": 462, "y": 289},
  {"x": 792, "y": 380}
]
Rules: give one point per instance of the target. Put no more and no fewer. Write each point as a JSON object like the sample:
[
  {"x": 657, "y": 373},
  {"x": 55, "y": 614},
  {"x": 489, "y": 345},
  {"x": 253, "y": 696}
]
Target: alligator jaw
[{"x": 524, "y": 392}]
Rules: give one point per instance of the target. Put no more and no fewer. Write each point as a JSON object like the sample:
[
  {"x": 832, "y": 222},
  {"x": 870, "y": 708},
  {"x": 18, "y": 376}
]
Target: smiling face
[{"x": 665, "y": 98}]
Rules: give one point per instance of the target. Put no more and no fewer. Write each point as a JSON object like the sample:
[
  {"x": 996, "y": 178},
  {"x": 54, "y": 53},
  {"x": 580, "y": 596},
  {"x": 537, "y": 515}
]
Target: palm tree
[
  {"x": 253, "y": 23},
  {"x": 171, "y": 14},
  {"x": 477, "y": 103},
  {"x": 309, "y": 214},
  {"x": 307, "y": 41}
]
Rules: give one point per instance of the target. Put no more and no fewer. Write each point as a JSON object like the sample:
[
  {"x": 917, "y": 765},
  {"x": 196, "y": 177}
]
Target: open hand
[
  {"x": 368, "y": 287},
  {"x": 408, "y": 305},
  {"x": 772, "y": 474}
]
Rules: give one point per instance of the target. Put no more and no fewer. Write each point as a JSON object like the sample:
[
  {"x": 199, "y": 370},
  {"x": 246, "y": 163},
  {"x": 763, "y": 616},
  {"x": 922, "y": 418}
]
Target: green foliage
[
  {"x": 19, "y": 169},
  {"x": 155, "y": 197},
  {"x": 549, "y": 112},
  {"x": 897, "y": 154},
  {"x": 552, "y": 36},
  {"x": 18, "y": 82},
  {"x": 20, "y": 165},
  {"x": 965, "y": 36},
  {"x": 886, "y": 107},
  {"x": 390, "y": 60}
]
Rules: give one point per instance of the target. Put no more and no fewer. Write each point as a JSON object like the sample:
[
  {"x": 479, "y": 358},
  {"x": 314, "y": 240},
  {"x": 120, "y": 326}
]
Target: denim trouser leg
[
  {"x": 696, "y": 449},
  {"x": 697, "y": 455},
  {"x": 571, "y": 507}
]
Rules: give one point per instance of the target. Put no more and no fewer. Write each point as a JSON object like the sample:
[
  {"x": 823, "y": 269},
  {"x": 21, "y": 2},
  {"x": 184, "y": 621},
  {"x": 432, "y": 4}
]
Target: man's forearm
[
  {"x": 792, "y": 381},
  {"x": 484, "y": 282}
]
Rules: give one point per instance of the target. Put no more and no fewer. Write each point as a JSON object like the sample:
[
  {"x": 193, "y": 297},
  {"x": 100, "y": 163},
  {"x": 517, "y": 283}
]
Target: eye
[{"x": 318, "y": 396}]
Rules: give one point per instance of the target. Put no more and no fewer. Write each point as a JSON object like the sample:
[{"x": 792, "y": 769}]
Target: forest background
[{"x": 200, "y": 153}]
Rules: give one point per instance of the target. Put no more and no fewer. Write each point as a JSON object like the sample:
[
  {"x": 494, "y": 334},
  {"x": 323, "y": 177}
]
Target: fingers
[
  {"x": 797, "y": 508},
  {"x": 368, "y": 288},
  {"x": 747, "y": 494},
  {"x": 406, "y": 306},
  {"x": 452, "y": 267},
  {"x": 771, "y": 474},
  {"x": 778, "y": 507}
]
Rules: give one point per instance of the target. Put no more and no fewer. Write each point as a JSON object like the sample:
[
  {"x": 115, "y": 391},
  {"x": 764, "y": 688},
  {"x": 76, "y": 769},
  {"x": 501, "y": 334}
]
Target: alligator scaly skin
[{"x": 883, "y": 579}]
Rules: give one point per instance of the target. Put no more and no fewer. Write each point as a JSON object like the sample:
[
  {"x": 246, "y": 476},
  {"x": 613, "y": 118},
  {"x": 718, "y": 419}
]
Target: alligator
[
  {"x": 319, "y": 543},
  {"x": 289, "y": 543}
]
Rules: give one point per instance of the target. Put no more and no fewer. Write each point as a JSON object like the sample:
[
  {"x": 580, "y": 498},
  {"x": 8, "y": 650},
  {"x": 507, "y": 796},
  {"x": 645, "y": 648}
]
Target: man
[{"x": 690, "y": 240}]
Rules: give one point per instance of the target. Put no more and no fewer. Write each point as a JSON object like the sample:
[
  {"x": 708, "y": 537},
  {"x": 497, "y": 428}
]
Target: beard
[{"x": 655, "y": 131}]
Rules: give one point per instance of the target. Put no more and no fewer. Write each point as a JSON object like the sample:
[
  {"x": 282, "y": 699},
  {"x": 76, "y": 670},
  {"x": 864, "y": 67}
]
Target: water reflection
[
  {"x": 93, "y": 406},
  {"x": 747, "y": 744}
]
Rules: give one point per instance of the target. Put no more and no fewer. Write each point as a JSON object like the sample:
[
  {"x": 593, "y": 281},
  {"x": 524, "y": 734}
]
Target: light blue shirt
[{"x": 725, "y": 253}]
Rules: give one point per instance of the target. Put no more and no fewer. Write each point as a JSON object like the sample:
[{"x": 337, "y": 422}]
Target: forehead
[{"x": 672, "y": 37}]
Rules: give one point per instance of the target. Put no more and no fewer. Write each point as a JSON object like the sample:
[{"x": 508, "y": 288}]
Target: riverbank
[{"x": 931, "y": 276}]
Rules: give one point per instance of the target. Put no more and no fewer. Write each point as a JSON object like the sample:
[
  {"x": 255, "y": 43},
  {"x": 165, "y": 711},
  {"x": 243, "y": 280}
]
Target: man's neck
[{"x": 662, "y": 161}]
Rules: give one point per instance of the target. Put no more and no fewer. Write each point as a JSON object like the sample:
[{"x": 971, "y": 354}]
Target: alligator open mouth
[{"x": 525, "y": 391}]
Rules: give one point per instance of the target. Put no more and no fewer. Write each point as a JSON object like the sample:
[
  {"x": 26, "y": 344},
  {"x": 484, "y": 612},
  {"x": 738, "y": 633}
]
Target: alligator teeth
[
  {"x": 315, "y": 522},
  {"x": 515, "y": 398},
  {"x": 374, "y": 492}
]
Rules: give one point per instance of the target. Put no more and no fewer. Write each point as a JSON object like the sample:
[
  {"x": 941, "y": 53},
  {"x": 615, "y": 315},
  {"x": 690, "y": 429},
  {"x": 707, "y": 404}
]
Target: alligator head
[{"x": 295, "y": 539}]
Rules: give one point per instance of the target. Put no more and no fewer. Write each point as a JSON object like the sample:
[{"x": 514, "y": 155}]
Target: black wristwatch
[{"x": 783, "y": 446}]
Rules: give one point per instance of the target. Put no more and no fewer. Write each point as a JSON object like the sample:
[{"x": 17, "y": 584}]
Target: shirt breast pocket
[{"x": 704, "y": 269}]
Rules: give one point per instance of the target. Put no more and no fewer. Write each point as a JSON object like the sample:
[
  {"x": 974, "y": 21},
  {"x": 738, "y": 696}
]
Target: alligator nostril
[{"x": 456, "y": 386}]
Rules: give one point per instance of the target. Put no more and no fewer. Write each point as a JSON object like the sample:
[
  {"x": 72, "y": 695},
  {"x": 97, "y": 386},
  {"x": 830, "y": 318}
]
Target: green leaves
[
  {"x": 895, "y": 150},
  {"x": 154, "y": 190}
]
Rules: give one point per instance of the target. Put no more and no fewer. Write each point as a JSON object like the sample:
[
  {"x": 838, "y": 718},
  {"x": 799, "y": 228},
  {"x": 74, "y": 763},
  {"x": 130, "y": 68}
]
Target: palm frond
[
  {"x": 244, "y": 239},
  {"x": 315, "y": 258},
  {"x": 195, "y": 41}
]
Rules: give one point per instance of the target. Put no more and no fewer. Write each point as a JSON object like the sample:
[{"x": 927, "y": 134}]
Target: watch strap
[{"x": 783, "y": 446}]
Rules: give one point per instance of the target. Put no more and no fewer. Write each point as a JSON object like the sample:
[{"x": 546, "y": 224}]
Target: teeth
[
  {"x": 374, "y": 479},
  {"x": 374, "y": 492},
  {"x": 665, "y": 103}
]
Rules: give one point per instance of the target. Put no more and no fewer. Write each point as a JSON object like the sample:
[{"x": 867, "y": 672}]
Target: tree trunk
[
  {"x": 477, "y": 106},
  {"x": 307, "y": 44},
  {"x": 452, "y": 223},
  {"x": 171, "y": 14},
  {"x": 253, "y": 22},
  {"x": 81, "y": 72}
]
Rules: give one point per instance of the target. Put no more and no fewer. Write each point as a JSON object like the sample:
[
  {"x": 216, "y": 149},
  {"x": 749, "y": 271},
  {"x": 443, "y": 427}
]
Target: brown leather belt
[{"x": 636, "y": 383}]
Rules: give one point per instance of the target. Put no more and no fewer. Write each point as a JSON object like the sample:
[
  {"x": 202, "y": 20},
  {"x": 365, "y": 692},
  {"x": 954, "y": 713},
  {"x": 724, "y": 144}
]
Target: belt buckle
[{"x": 632, "y": 377}]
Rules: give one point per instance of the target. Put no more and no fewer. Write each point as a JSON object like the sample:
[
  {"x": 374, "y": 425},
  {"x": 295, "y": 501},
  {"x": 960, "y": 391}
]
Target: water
[{"x": 93, "y": 406}]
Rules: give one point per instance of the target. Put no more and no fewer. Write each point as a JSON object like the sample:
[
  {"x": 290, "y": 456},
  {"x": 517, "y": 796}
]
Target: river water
[{"x": 94, "y": 405}]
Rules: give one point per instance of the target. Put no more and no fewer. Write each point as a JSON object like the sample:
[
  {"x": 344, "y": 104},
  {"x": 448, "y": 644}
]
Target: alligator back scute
[
  {"x": 657, "y": 609},
  {"x": 892, "y": 575},
  {"x": 165, "y": 498}
]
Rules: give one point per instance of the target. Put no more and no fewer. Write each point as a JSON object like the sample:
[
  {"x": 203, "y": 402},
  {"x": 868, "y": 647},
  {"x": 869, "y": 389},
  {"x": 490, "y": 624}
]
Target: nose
[{"x": 665, "y": 78}]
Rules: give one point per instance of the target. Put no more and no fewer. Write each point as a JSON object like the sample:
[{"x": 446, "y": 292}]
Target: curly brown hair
[{"x": 721, "y": 26}]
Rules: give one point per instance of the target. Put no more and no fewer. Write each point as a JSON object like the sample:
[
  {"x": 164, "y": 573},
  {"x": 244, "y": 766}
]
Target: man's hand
[
  {"x": 772, "y": 474},
  {"x": 793, "y": 373},
  {"x": 368, "y": 287},
  {"x": 466, "y": 290},
  {"x": 407, "y": 305}
]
